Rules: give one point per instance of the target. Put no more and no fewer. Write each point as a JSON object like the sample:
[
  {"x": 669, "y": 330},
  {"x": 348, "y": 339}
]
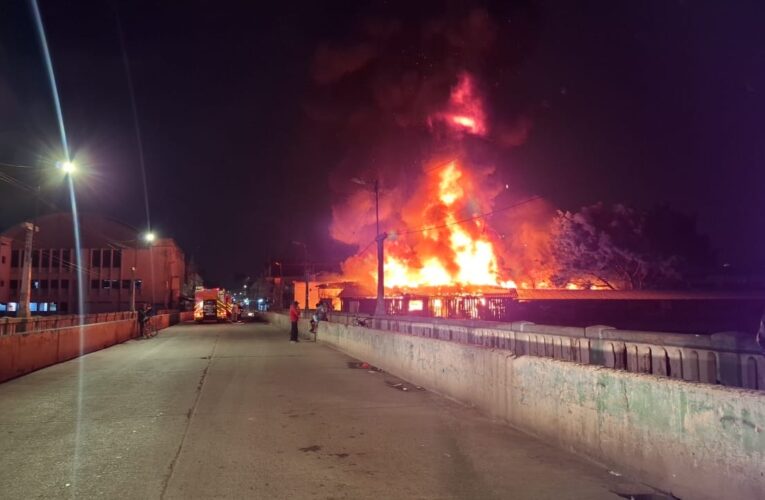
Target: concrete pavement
[{"x": 236, "y": 411}]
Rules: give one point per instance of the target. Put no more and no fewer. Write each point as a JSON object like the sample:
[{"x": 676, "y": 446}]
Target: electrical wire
[{"x": 475, "y": 217}]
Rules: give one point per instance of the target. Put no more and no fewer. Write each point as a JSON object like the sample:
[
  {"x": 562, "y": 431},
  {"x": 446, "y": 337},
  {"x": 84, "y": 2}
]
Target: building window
[
  {"x": 2, "y": 283},
  {"x": 117, "y": 258},
  {"x": 52, "y": 307},
  {"x": 138, "y": 285},
  {"x": 35, "y": 284},
  {"x": 116, "y": 284},
  {"x": 45, "y": 259},
  {"x": 14, "y": 284},
  {"x": 55, "y": 259},
  {"x": 94, "y": 284},
  {"x": 63, "y": 307},
  {"x": 54, "y": 284},
  {"x": 95, "y": 258},
  {"x": 66, "y": 259},
  {"x": 106, "y": 258},
  {"x": 15, "y": 258},
  {"x": 106, "y": 284},
  {"x": 33, "y": 306},
  {"x": 3, "y": 259},
  {"x": 44, "y": 284},
  {"x": 65, "y": 284},
  {"x": 43, "y": 307},
  {"x": 35, "y": 258}
]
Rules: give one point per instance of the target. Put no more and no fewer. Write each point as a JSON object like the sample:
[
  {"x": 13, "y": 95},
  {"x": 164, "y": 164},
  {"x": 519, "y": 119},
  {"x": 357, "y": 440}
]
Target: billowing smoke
[{"x": 419, "y": 107}]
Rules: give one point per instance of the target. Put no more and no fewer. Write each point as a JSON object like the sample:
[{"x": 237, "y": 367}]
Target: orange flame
[
  {"x": 450, "y": 251},
  {"x": 465, "y": 112}
]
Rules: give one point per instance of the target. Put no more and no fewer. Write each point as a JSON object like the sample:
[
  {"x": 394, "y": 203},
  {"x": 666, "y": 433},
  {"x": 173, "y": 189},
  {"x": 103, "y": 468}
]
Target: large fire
[
  {"x": 461, "y": 253},
  {"x": 439, "y": 234}
]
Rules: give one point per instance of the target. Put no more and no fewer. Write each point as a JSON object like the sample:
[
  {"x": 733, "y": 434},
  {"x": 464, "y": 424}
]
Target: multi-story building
[{"x": 113, "y": 255}]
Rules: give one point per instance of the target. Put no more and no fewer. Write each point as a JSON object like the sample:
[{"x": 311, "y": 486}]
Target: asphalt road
[{"x": 236, "y": 411}]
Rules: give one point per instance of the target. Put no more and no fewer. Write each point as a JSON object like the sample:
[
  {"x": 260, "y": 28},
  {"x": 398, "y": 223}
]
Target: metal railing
[{"x": 728, "y": 358}]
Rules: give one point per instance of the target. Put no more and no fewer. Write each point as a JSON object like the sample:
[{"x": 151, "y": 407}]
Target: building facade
[{"x": 113, "y": 256}]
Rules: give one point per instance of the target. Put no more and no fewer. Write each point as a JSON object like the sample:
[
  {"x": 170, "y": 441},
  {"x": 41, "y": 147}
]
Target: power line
[
  {"x": 15, "y": 165},
  {"x": 479, "y": 216}
]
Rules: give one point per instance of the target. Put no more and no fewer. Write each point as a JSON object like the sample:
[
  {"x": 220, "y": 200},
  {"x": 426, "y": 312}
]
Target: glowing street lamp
[
  {"x": 149, "y": 237},
  {"x": 68, "y": 167}
]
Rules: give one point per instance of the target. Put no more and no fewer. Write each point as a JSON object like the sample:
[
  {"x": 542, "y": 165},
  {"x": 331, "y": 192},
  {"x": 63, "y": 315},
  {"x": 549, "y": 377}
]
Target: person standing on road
[
  {"x": 142, "y": 320},
  {"x": 294, "y": 317}
]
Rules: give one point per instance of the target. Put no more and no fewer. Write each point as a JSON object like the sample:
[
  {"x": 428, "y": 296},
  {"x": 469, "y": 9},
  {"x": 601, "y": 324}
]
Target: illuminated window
[
  {"x": 415, "y": 305},
  {"x": 33, "y": 306},
  {"x": 13, "y": 306}
]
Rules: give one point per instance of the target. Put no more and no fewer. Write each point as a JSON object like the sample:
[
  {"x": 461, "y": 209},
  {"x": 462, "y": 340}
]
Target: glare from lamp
[{"x": 67, "y": 167}]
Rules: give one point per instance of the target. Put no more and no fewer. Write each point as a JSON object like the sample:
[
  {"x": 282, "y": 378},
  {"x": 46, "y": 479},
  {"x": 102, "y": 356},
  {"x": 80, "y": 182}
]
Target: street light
[
  {"x": 305, "y": 269},
  {"x": 380, "y": 238},
  {"x": 66, "y": 166},
  {"x": 149, "y": 238}
]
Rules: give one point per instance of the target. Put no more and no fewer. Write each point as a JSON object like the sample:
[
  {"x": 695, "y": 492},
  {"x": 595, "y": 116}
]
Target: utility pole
[
  {"x": 380, "y": 304},
  {"x": 305, "y": 270},
  {"x": 26, "y": 272},
  {"x": 380, "y": 238}
]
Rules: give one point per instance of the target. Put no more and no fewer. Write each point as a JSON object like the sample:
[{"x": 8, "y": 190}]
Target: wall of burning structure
[{"x": 682, "y": 312}]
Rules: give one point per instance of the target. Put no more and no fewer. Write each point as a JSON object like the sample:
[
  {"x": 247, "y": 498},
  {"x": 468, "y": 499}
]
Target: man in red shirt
[{"x": 294, "y": 317}]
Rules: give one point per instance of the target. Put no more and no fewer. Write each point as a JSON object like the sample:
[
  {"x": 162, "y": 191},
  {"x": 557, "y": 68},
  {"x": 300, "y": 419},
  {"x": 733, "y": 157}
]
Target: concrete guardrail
[
  {"x": 695, "y": 440},
  {"x": 34, "y": 347}
]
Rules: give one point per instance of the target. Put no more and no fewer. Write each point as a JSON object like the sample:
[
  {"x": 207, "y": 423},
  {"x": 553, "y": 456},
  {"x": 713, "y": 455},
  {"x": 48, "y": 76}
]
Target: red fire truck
[{"x": 211, "y": 304}]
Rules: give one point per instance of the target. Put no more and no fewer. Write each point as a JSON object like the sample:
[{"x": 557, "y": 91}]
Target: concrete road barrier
[
  {"x": 22, "y": 353},
  {"x": 694, "y": 440}
]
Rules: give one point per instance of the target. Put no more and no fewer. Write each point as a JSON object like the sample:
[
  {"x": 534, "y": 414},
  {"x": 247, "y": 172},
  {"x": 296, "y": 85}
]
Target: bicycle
[{"x": 149, "y": 329}]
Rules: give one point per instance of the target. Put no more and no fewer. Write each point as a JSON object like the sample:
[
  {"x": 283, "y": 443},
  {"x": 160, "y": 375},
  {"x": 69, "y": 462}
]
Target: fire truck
[{"x": 211, "y": 304}]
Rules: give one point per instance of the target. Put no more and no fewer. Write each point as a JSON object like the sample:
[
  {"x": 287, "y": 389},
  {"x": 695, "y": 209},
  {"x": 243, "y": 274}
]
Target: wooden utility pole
[{"x": 26, "y": 272}]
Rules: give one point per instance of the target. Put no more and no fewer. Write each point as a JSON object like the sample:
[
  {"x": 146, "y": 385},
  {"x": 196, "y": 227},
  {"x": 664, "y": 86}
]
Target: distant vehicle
[
  {"x": 248, "y": 314},
  {"x": 212, "y": 304}
]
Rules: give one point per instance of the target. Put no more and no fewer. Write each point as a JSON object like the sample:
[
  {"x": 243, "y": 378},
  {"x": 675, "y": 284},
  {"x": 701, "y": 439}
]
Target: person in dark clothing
[
  {"x": 141, "y": 320},
  {"x": 294, "y": 317}
]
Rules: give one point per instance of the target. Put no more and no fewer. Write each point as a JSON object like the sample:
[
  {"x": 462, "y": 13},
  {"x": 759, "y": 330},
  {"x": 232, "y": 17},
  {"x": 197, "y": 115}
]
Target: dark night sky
[{"x": 645, "y": 102}]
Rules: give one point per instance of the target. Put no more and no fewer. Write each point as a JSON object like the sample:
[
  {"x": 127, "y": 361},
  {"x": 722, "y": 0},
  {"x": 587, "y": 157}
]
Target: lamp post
[
  {"x": 149, "y": 238},
  {"x": 68, "y": 168},
  {"x": 305, "y": 270},
  {"x": 380, "y": 239}
]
